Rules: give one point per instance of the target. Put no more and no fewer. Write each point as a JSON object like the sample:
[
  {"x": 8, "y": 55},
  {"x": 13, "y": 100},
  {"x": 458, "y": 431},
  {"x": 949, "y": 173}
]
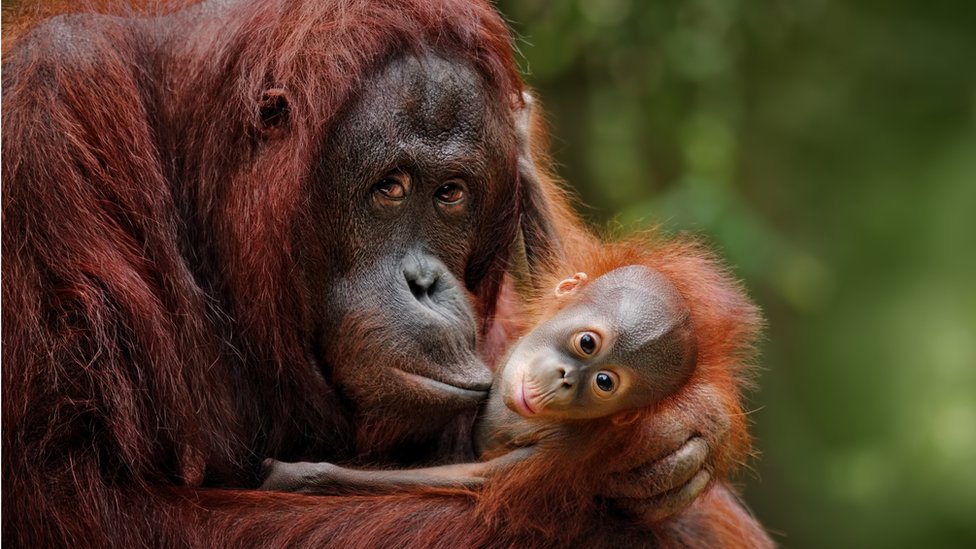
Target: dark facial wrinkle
[
  {"x": 441, "y": 96},
  {"x": 440, "y": 120}
]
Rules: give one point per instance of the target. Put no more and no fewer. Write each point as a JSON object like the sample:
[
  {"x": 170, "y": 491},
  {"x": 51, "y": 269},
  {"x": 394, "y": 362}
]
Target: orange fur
[{"x": 579, "y": 458}]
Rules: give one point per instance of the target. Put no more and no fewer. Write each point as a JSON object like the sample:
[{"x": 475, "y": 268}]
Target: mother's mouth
[{"x": 474, "y": 391}]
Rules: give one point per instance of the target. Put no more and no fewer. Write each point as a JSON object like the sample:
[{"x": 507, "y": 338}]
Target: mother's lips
[{"x": 475, "y": 390}]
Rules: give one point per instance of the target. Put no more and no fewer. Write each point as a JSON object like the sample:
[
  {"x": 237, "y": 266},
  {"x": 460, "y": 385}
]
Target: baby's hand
[{"x": 300, "y": 477}]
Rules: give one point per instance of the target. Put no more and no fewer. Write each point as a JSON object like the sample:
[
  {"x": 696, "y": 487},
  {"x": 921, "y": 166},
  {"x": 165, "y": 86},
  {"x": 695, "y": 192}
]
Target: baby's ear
[
  {"x": 625, "y": 418},
  {"x": 570, "y": 285}
]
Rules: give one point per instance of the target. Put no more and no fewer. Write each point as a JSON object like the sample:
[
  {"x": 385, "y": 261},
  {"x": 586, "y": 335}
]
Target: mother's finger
[
  {"x": 667, "y": 504},
  {"x": 664, "y": 475}
]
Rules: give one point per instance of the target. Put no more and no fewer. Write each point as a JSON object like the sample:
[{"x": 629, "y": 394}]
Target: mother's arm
[{"x": 703, "y": 435}]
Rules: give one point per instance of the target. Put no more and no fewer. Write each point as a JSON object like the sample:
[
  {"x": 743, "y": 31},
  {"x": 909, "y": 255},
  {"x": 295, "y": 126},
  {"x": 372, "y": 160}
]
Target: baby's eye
[
  {"x": 586, "y": 343},
  {"x": 605, "y": 383}
]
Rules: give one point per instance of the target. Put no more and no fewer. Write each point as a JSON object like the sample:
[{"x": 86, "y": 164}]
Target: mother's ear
[{"x": 273, "y": 113}]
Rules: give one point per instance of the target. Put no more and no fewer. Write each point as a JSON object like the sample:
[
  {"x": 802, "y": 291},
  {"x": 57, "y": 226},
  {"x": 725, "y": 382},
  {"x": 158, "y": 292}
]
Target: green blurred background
[{"x": 828, "y": 151}]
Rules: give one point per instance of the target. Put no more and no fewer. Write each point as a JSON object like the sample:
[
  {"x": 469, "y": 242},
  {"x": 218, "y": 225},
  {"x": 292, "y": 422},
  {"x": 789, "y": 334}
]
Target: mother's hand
[{"x": 677, "y": 455}]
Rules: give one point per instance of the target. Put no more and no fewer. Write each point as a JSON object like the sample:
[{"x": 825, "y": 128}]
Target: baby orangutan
[{"x": 610, "y": 347}]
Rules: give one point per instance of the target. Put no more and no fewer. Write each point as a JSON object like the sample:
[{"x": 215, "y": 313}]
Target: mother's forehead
[{"x": 430, "y": 95}]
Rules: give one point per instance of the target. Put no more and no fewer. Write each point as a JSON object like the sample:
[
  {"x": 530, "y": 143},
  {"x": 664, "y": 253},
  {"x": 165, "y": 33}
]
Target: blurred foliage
[{"x": 828, "y": 150}]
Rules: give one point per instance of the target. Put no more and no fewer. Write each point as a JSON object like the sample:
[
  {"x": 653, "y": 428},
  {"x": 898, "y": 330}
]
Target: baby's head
[{"x": 624, "y": 341}]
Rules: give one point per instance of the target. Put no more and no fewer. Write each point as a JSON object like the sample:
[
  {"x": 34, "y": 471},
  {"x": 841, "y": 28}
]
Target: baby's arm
[{"x": 330, "y": 479}]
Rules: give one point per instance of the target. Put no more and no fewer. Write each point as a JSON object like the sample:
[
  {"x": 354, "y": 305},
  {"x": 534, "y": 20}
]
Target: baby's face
[
  {"x": 563, "y": 369},
  {"x": 623, "y": 343}
]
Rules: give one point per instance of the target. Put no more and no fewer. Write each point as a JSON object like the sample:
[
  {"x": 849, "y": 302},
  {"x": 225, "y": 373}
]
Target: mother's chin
[
  {"x": 404, "y": 385},
  {"x": 401, "y": 341}
]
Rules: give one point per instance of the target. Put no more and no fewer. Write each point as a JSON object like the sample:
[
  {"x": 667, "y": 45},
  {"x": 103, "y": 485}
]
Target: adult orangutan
[{"x": 275, "y": 228}]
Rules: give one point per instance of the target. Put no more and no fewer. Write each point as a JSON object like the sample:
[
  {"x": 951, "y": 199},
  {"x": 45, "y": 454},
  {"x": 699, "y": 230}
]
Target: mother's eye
[
  {"x": 452, "y": 193},
  {"x": 393, "y": 187}
]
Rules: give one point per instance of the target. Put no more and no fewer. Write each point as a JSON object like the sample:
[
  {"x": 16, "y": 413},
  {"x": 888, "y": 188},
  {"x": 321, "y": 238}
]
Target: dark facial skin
[
  {"x": 625, "y": 342},
  {"x": 398, "y": 213}
]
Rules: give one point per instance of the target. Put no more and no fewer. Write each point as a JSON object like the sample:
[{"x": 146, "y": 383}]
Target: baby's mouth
[{"x": 524, "y": 402}]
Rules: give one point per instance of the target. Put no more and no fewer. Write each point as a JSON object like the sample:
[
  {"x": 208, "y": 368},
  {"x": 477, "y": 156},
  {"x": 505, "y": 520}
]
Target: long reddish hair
[{"x": 153, "y": 317}]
